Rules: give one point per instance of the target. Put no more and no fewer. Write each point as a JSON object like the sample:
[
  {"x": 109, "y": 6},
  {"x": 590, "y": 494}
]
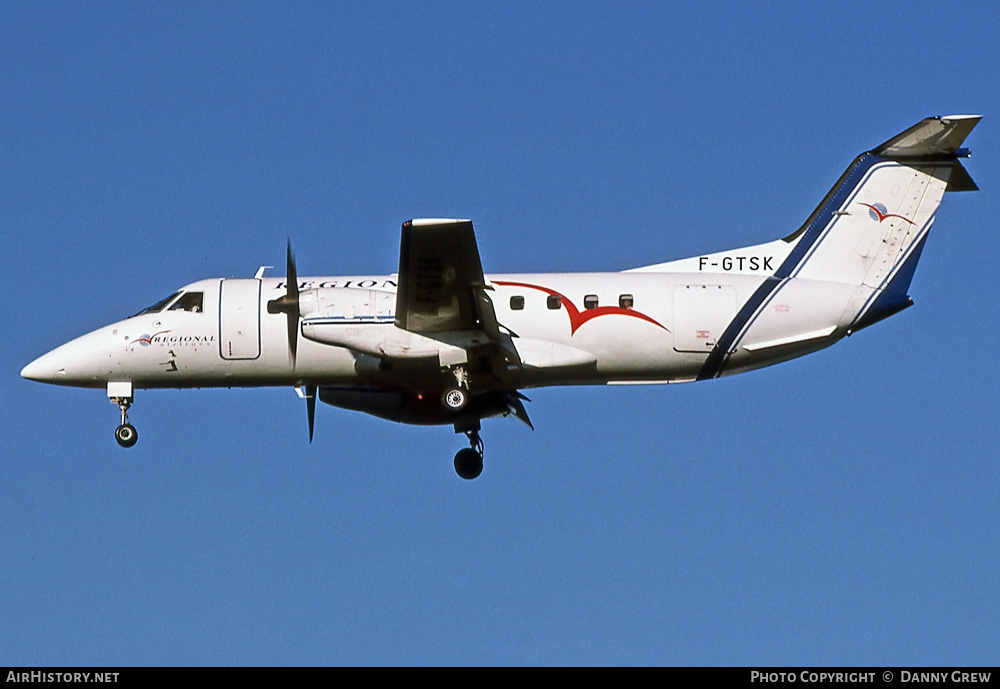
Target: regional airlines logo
[
  {"x": 878, "y": 211},
  {"x": 178, "y": 340},
  {"x": 577, "y": 317},
  {"x": 146, "y": 340}
]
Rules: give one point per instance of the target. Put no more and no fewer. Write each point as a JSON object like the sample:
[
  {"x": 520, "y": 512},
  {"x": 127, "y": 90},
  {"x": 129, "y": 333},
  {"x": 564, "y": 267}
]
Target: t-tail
[
  {"x": 851, "y": 263},
  {"x": 871, "y": 227}
]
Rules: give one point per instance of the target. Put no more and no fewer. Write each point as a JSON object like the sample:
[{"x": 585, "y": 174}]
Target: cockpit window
[
  {"x": 157, "y": 307},
  {"x": 191, "y": 301}
]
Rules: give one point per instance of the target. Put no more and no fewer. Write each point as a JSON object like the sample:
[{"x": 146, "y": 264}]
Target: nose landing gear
[{"x": 125, "y": 434}]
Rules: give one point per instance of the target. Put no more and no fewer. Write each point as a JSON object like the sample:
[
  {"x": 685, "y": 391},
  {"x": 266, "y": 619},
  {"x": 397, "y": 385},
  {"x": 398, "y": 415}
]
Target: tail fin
[{"x": 870, "y": 229}]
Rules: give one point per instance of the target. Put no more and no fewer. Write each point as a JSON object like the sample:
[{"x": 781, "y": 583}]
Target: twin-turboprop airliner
[{"x": 440, "y": 342}]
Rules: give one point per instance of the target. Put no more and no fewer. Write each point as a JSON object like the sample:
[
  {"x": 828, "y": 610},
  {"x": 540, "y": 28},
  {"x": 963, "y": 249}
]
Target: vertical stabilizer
[
  {"x": 869, "y": 230},
  {"x": 885, "y": 205}
]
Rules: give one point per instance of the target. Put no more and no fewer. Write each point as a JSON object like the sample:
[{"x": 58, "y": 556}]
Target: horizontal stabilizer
[{"x": 933, "y": 137}]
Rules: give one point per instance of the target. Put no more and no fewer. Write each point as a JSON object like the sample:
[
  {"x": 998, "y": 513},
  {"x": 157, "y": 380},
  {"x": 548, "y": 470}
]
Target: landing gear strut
[
  {"x": 469, "y": 463},
  {"x": 125, "y": 434}
]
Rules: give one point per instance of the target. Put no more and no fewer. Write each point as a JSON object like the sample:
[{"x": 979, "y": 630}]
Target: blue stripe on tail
[{"x": 717, "y": 358}]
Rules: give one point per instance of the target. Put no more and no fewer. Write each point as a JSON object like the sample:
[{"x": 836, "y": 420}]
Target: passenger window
[
  {"x": 590, "y": 301},
  {"x": 516, "y": 303},
  {"x": 191, "y": 301},
  {"x": 554, "y": 302},
  {"x": 626, "y": 301}
]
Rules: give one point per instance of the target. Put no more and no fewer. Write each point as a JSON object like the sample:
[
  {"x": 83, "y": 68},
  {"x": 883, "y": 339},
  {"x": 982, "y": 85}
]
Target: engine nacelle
[
  {"x": 347, "y": 304},
  {"x": 383, "y": 340},
  {"x": 363, "y": 320}
]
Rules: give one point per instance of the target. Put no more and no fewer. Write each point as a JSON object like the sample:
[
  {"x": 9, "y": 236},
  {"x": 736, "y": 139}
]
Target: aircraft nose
[
  {"x": 74, "y": 363},
  {"x": 33, "y": 371},
  {"x": 45, "y": 369}
]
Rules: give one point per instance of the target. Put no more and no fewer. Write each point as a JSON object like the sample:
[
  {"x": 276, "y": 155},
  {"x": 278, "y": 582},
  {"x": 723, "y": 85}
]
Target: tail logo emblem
[{"x": 878, "y": 211}]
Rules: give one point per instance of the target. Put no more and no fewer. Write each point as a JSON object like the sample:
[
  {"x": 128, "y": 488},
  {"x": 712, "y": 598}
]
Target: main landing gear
[
  {"x": 469, "y": 463},
  {"x": 456, "y": 397}
]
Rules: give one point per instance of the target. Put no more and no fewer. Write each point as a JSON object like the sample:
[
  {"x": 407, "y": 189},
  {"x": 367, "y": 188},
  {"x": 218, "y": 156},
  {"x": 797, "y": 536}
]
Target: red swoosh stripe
[{"x": 576, "y": 317}]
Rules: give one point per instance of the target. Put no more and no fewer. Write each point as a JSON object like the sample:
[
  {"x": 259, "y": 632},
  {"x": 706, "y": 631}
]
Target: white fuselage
[{"x": 646, "y": 327}]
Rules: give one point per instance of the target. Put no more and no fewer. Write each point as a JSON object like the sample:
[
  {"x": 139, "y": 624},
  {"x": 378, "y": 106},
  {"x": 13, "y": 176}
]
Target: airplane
[{"x": 442, "y": 343}]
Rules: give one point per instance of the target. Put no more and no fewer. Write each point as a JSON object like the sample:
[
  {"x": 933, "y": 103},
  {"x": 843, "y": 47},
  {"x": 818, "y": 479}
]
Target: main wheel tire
[
  {"x": 468, "y": 464},
  {"x": 126, "y": 435},
  {"x": 455, "y": 399}
]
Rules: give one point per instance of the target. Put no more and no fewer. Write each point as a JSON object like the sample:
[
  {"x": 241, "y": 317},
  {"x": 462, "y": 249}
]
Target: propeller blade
[
  {"x": 292, "y": 323},
  {"x": 288, "y": 304},
  {"x": 311, "y": 408},
  {"x": 290, "y": 273},
  {"x": 292, "y": 293}
]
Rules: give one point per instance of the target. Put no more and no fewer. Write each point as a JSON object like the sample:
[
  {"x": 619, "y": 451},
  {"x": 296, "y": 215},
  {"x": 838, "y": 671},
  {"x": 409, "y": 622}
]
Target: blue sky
[{"x": 840, "y": 509}]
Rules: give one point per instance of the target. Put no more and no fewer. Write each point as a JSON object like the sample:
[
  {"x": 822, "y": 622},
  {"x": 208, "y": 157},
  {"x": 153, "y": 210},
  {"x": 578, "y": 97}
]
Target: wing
[
  {"x": 440, "y": 277},
  {"x": 442, "y": 295},
  {"x": 442, "y": 291}
]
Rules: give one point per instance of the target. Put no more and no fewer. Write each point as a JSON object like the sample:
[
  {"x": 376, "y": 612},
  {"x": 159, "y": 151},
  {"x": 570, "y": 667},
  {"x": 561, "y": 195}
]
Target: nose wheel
[
  {"x": 469, "y": 462},
  {"x": 125, "y": 434}
]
